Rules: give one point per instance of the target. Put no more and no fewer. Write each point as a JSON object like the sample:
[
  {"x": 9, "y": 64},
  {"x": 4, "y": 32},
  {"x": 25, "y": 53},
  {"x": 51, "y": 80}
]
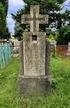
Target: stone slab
[
  {"x": 34, "y": 86},
  {"x": 35, "y": 55},
  {"x": 34, "y": 80}
]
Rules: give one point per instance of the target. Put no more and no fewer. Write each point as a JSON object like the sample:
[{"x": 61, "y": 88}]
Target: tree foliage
[
  {"x": 2, "y": 19},
  {"x": 64, "y": 36},
  {"x": 47, "y": 7},
  {"x": 5, "y": 4},
  {"x": 3, "y": 29},
  {"x": 46, "y": 4},
  {"x": 60, "y": 1}
]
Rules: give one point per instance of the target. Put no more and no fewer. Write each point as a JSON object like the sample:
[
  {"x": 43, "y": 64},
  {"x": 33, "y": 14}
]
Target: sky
[
  {"x": 15, "y": 5},
  {"x": 65, "y": 6}
]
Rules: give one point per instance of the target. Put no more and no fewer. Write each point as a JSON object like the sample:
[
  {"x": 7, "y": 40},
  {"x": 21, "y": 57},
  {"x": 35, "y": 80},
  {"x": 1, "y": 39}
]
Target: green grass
[{"x": 59, "y": 97}]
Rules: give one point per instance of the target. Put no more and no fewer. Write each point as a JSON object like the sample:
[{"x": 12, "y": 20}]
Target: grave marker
[
  {"x": 68, "y": 52},
  {"x": 34, "y": 51}
]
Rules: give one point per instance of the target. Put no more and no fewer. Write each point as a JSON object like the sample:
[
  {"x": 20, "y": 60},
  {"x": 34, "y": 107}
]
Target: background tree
[
  {"x": 60, "y": 1},
  {"x": 5, "y": 4},
  {"x": 46, "y": 7},
  {"x": 49, "y": 7},
  {"x": 64, "y": 36},
  {"x": 3, "y": 12}
]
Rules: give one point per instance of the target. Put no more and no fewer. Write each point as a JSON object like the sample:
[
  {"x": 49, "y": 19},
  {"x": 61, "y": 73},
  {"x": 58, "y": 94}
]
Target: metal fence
[
  {"x": 6, "y": 51},
  {"x": 5, "y": 54}
]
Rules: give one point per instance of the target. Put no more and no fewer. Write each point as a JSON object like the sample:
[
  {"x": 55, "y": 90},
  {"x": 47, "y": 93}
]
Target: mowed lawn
[{"x": 58, "y": 97}]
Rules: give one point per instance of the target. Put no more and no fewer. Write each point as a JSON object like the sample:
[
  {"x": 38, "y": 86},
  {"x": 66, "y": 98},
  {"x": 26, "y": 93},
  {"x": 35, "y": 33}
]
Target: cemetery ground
[{"x": 58, "y": 97}]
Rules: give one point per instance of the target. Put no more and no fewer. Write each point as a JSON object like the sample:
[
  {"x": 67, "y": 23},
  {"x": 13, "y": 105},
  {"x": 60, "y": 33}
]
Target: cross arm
[
  {"x": 43, "y": 19},
  {"x": 25, "y": 19}
]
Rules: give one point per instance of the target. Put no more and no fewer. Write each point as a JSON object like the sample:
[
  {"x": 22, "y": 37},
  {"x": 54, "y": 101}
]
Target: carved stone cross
[
  {"x": 34, "y": 19},
  {"x": 34, "y": 77}
]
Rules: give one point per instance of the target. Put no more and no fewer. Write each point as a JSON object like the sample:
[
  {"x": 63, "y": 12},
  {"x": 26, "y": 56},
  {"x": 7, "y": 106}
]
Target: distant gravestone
[
  {"x": 34, "y": 52},
  {"x": 53, "y": 44},
  {"x": 16, "y": 44},
  {"x": 68, "y": 52}
]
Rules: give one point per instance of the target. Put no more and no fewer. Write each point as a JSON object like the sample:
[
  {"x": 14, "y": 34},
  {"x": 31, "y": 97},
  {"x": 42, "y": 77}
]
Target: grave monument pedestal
[{"x": 34, "y": 75}]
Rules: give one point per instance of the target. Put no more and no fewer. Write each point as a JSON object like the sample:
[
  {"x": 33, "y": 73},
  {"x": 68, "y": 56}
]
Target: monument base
[{"x": 34, "y": 86}]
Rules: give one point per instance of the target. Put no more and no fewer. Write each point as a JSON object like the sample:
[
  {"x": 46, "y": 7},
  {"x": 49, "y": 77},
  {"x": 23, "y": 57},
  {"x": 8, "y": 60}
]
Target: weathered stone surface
[
  {"x": 34, "y": 54},
  {"x": 35, "y": 57},
  {"x": 34, "y": 85},
  {"x": 34, "y": 19},
  {"x": 34, "y": 77}
]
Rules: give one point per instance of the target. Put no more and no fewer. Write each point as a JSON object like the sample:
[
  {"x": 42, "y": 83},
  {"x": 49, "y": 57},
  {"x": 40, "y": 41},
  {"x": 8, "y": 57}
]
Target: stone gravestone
[
  {"x": 68, "y": 52},
  {"x": 53, "y": 44},
  {"x": 16, "y": 45},
  {"x": 34, "y": 52}
]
